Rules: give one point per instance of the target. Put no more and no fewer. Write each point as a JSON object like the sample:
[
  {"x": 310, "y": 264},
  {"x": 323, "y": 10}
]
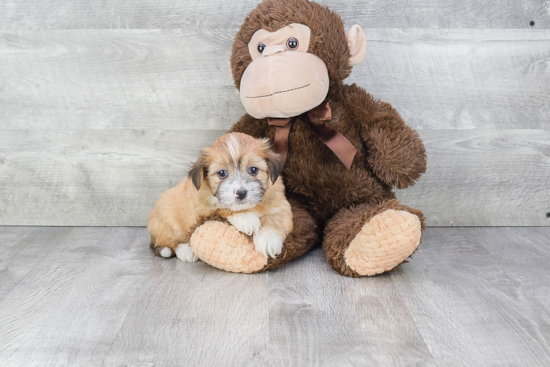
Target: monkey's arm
[
  {"x": 394, "y": 150},
  {"x": 250, "y": 126}
]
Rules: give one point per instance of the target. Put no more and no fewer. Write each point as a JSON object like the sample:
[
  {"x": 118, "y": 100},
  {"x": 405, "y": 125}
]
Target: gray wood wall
[{"x": 104, "y": 104}]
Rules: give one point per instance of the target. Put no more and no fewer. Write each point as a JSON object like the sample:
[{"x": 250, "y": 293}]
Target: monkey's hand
[{"x": 395, "y": 152}]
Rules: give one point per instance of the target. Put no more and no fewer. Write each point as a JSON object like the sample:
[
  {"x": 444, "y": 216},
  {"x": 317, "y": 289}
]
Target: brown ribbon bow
[{"x": 336, "y": 142}]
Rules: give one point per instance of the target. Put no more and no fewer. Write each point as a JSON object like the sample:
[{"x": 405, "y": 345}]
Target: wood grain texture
[
  {"x": 25, "y": 244},
  {"x": 461, "y": 79},
  {"x": 100, "y": 79},
  {"x": 91, "y": 177},
  {"x": 99, "y": 297},
  {"x": 484, "y": 178},
  {"x": 319, "y": 318},
  {"x": 113, "y": 177},
  {"x": 193, "y": 314},
  {"x": 180, "y": 79},
  {"x": 469, "y": 310},
  {"x": 523, "y": 253},
  {"x": 68, "y": 308},
  {"x": 35, "y": 14}
]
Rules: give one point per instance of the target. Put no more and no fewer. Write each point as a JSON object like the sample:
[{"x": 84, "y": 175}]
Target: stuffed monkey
[{"x": 343, "y": 151}]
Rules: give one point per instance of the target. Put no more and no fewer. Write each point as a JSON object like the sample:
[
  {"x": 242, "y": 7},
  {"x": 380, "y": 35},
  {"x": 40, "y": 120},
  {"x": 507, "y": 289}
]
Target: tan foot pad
[
  {"x": 384, "y": 242},
  {"x": 222, "y": 246}
]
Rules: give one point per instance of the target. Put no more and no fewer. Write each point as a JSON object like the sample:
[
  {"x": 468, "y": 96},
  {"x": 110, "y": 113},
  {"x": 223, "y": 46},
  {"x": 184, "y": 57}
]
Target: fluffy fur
[
  {"x": 263, "y": 212},
  {"x": 389, "y": 153},
  {"x": 327, "y": 40},
  {"x": 346, "y": 225},
  {"x": 353, "y": 213}
]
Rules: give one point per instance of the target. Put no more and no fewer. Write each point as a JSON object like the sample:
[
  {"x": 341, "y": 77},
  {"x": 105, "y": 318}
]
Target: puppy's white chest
[{"x": 247, "y": 222}]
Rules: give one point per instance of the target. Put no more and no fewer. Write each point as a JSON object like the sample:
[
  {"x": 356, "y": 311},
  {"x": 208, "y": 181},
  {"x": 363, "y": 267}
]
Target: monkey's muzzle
[{"x": 284, "y": 84}]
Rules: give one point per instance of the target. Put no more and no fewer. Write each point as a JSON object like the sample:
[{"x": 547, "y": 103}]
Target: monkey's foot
[
  {"x": 224, "y": 247},
  {"x": 384, "y": 242}
]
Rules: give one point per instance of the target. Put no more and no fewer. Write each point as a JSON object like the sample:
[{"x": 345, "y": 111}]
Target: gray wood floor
[{"x": 97, "y": 296}]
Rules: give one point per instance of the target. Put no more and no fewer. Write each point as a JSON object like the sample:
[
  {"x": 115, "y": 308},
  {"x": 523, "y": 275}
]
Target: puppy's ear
[
  {"x": 274, "y": 167},
  {"x": 273, "y": 160},
  {"x": 198, "y": 171}
]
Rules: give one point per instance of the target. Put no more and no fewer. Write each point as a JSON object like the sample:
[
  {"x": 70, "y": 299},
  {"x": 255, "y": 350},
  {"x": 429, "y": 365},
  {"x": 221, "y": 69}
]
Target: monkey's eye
[
  {"x": 253, "y": 171},
  {"x": 222, "y": 173},
  {"x": 292, "y": 43},
  {"x": 261, "y": 48}
]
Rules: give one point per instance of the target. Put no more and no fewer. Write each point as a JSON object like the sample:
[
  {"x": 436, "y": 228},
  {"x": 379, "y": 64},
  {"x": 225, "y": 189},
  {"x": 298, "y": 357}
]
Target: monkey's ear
[
  {"x": 197, "y": 172},
  {"x": 357, "y": 43}
]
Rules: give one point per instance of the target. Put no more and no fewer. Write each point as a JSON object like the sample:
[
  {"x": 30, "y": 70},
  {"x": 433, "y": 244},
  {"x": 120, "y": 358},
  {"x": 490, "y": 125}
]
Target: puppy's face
[{"x": 238, "y": 169}]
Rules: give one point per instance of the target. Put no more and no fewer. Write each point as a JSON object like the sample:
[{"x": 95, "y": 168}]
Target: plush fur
[
  {"x": 262, "y": 213},
  {"x": 328, "y": 38},
  {"x": 389, "y": 153},
  {"x": 221, "y": 246},
  {"x": 347, "y": 205},
  {"x": 344, "y": 227}
]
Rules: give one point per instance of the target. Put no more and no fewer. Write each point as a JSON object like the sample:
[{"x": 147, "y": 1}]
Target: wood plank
[
  {"x": 35, "y": 14},
  {"x": 99, "y": 79},
  {"x": 320, "y": 318},
  {"x": 68, "y": 309},
  {"x": 180, "y": 79},
  {"x": 469, "y": 297},
  {"x": 23, "y": 248},
  {"x": 113, "y": 177},
  {"x": 524, "y": 254},
  {"x": 466, "y": 307},
  {"x": 194, "y": 315},
  {"x": 460, "y": 79},
  {"x": 91, "y": 177},
  {"x": 484, "y": 178}
]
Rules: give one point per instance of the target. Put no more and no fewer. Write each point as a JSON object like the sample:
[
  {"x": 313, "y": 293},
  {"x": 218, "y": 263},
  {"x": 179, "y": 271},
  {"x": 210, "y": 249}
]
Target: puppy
[{"x": 235, "y": 178}]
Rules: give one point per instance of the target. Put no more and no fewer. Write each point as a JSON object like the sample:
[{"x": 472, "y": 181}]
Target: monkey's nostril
[{"x": 241, "y": 194}]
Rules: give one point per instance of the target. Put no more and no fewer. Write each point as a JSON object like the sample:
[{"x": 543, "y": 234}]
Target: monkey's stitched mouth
[{"x": 283, "y": 91}]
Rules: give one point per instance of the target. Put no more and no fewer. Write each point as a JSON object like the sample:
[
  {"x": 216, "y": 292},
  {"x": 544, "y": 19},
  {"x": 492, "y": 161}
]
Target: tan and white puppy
[{"x": 235, "y": 178}]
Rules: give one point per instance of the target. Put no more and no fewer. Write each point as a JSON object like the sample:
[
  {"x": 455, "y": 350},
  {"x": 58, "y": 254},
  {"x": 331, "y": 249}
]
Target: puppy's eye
[
  {"x": 292, "y": 43},
  {"x": 261, "y": 48},
  {"x": 253, "y": 171},
  {"x": 222, "y": 173}
]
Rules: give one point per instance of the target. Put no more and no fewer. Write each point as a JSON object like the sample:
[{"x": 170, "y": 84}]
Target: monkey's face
[
  {"x": 288, "y": 54},
  {"x": 283, "y": 80}
]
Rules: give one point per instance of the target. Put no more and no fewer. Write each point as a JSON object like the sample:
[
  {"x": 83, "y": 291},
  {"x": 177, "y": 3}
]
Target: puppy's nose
[{"x": 241, "y": 193}]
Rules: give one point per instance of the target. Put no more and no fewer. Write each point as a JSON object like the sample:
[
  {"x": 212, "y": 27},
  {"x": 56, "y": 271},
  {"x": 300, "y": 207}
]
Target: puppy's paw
[
  {"x": 268, "y": 243},
  {"x": 163, "y": 251},
  {"x": 184, "y": 252},
  {"x": 247, "y": 222}
]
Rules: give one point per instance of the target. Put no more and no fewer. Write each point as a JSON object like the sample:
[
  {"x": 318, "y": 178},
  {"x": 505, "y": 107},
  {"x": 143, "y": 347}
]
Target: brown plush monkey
[{"x": 345, "y": 151}]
